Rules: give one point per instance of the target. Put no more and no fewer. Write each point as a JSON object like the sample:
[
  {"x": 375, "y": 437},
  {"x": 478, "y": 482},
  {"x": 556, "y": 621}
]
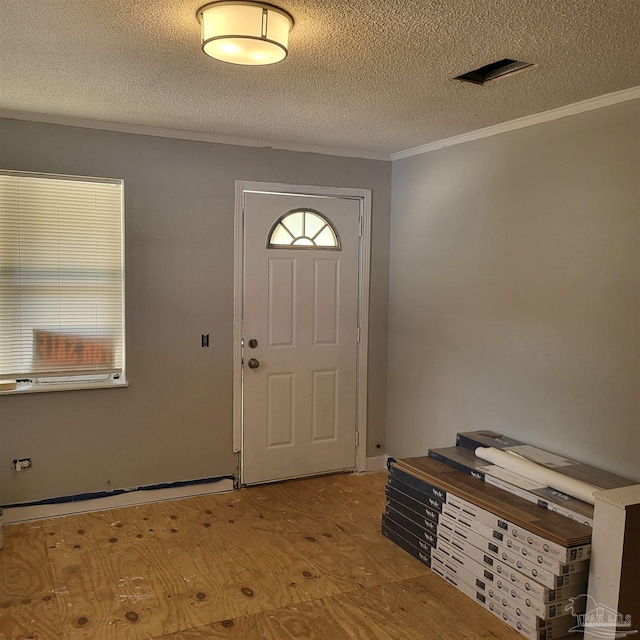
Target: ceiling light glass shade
[{"x": 244, "y": 32}]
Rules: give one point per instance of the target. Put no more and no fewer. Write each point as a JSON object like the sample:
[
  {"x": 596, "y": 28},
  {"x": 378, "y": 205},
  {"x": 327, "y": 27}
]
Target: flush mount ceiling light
[{"x": 244, "y": 32}]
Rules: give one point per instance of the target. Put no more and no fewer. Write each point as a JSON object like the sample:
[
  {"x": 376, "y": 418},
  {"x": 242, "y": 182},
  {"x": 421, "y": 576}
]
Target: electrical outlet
[{"x": 21, "y": 463}]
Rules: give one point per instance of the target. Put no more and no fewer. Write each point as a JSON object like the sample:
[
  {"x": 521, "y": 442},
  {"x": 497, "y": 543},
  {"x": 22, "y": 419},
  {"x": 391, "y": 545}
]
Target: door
[{"x": 300, "y": 335}]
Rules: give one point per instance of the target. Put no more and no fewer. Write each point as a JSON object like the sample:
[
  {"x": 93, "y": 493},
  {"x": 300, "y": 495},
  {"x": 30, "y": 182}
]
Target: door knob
[{"x": 253, "y": 363}]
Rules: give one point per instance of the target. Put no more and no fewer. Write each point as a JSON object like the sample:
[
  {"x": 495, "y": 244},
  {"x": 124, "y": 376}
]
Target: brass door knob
[{"x": 253, "y": 363}]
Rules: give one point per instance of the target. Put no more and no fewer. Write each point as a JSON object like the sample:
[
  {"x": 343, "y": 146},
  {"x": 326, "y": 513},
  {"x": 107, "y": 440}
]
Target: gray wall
[
  {"x": 174, "y": 421},
  {"x": 514, "y": 286}
]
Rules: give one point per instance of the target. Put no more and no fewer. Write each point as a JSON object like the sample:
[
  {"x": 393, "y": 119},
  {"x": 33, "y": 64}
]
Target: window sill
[{"x": 78, "y": 386}]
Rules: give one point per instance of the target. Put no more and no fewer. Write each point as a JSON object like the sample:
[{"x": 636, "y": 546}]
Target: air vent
[{"x": 494, "y": 70}]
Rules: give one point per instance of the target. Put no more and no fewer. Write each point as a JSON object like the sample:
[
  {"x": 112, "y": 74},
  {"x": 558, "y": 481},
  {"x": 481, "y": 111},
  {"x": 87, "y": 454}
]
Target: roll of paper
[{"x": 543, "y": 475}]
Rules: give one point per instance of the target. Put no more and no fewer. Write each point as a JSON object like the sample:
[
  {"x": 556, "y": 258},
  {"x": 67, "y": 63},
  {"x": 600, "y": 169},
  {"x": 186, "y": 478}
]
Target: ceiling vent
[{"x": 494, "y": 70}]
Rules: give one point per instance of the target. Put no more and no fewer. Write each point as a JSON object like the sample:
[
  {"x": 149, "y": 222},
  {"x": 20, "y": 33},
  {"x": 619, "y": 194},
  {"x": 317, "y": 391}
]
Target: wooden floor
[{"x": 300, "y": 559}]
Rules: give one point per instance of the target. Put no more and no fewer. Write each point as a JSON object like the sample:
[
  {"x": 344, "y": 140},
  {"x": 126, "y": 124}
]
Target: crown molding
[
  {"x": 69, "y": 121},
  {"x": 527, "y": 121}
]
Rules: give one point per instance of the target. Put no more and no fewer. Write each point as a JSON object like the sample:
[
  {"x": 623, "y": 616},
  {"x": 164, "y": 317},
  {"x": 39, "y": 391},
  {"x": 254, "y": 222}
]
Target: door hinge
[
  {"x": 358, "y": 334},
  {"x": 357, "y": 438}
]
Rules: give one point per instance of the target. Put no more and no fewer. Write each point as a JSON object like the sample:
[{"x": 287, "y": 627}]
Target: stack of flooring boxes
[
  {"x": 462, "y": 457},
  {"x": 522, "y": 562}
]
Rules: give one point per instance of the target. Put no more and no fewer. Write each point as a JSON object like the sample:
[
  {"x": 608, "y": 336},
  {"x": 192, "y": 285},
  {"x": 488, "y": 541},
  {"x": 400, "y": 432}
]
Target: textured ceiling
[{"x": 362, "y": 75}]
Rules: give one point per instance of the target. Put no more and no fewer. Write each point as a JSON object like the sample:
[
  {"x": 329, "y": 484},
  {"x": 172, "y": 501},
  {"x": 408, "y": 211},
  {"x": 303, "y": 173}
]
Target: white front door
[{"x": 300, "y": 335}]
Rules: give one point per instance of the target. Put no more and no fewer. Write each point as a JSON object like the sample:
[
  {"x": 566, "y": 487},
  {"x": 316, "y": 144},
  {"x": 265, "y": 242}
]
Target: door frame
[{"x": 364, "y": 271}]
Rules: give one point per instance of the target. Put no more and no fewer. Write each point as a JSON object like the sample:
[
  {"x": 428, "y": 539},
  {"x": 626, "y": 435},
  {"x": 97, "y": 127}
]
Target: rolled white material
[{"x": 547, "y": 477}]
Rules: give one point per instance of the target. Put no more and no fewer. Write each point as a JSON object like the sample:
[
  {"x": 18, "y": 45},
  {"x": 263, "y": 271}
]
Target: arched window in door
[{"x": 303, "y": 229}]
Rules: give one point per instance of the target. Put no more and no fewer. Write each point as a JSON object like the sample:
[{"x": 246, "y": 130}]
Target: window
[
  {"x": 61, "y": 281},
  {"x": 303, "y": 229}
]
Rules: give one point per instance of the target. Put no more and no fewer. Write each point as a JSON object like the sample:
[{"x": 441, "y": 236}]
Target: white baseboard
[
  {"x": 18, "y": 514},
  {"x": 377, "y": 463}
]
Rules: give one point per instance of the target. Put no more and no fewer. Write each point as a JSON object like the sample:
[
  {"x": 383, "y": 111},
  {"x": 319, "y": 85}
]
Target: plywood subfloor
[{"x": 300, "y": 559}]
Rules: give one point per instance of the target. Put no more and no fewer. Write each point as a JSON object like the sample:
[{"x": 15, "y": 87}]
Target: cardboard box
[
  {"x": 525, "y": 568},
  {"x": 425, "y": 535},
  {"x": 424, "y": 523},
  {"x": 443, "y": 484},
  {"x": 467, "y": 513},
  {"x": 538, "y": 595},
  {"x": 508, "y": 573},
  {"x": 538, "y": 566},
  {"x": 479, "y": 535},
  {"x": 487, "y": 568},
  {"x": 397, "y": 492},
  {"x": 548, "y": 630},
  {"x": 389, "y": 530},
  {"x": 432, "y": 493},
  {"x": 515, "y": 600},
  {"x": 572, "y": 468},
  {"x": 466, "y": 461},
  {"x": 472, "y": 543},
  {"x": 484, "y": 579},
  {"x": 492, "y": 571},
  {"x": 480, "y": 520},
  {"x": 554, "y": 556},
  {"x": 434, "y": 505}
]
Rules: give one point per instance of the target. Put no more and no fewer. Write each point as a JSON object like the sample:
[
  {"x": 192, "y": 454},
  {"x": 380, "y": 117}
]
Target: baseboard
[
  {"x": 26, "y": 513},
  {"x": 377, "y": 463}
]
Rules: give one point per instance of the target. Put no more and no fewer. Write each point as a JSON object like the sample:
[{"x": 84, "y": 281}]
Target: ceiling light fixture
[{"x": 244, "y": 32}]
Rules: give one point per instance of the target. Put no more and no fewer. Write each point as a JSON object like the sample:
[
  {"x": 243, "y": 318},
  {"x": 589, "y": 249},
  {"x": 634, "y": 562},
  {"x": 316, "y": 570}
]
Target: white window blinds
[{"x": 61, "y": 276}]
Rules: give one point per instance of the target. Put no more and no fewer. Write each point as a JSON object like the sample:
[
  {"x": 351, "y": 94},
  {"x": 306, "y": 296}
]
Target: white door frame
[{"x": 364, "y": 269}]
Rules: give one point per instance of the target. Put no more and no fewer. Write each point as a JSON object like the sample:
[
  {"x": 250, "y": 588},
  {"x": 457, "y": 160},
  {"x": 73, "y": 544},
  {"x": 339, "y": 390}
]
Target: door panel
[
  {"x": 281, "y": 304},
  {"x": 301, "y": 306},
  {"x": 325, "y": 407},
  {"x": 326, "y": 289},
  {"x": 280, "y": 402}
]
